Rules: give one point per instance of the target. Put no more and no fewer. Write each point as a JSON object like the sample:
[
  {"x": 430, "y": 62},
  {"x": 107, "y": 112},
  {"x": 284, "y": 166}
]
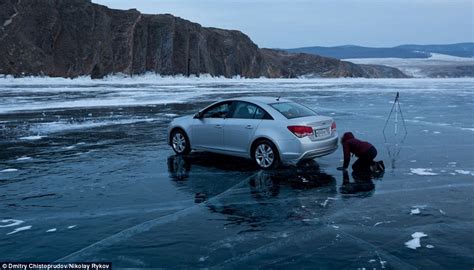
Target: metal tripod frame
[{"x": 396, "y": 108}]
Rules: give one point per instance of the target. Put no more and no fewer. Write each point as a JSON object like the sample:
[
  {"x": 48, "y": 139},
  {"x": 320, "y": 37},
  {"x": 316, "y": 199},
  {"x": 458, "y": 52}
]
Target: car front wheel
[
  {"x": 265, "y": 154},
  {"x": 180, "y": 142}
]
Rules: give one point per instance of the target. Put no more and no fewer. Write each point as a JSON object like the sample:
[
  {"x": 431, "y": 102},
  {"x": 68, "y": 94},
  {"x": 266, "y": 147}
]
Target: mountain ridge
[
  {"x": 464, "y": 49},
  {"x": 77, "y": 37}
]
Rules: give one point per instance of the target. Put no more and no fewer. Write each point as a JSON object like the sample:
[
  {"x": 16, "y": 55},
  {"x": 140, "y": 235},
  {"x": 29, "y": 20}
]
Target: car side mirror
[{"x": 198, "y": 115}]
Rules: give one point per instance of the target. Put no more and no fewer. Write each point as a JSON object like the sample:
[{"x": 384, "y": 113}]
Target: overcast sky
[{"x": 299, "y": 23}]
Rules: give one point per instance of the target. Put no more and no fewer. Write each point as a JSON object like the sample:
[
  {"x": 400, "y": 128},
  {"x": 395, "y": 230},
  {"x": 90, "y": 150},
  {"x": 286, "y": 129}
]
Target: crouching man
[{"x": 365, "y": 152}]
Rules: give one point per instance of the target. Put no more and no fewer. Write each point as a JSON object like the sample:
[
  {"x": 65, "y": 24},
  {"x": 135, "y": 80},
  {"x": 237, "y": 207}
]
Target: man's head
[{"x": 346, "y": 136}]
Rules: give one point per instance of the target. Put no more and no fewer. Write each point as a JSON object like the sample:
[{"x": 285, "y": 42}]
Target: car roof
[{"x": 261, "y": 99}]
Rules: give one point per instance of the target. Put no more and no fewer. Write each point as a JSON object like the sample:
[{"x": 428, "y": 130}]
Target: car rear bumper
[
  {"x": 293, "y": 151},
  {"x": 318, "y": 152}
]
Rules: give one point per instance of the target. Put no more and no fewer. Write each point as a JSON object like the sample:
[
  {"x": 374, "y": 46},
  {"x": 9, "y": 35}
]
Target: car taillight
[
  {"x": 301, "y": 131},
  {"x": 333, "y": 126}
]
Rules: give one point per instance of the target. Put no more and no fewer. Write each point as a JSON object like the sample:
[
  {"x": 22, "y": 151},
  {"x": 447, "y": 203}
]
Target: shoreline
[{"x": 157, "y": 78}]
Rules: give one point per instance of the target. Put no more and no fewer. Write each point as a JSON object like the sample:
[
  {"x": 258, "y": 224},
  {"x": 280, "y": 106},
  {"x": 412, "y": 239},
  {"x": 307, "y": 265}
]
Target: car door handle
[
  {"x": 218, "y": 126},
  {"x": 248, "y": 126}
]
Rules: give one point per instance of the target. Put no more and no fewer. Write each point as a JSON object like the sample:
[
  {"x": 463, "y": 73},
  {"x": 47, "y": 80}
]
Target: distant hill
[
  {"x": 458, "y": 49},
  {"x": 402, "y": 51}
]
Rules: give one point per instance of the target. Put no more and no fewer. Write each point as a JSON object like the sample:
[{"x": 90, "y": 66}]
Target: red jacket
[{"x": 352, "y": 145}]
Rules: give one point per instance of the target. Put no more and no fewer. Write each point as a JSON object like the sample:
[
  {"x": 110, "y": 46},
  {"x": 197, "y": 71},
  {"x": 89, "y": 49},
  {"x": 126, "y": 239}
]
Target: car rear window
[{"x": 292, "y": 110}]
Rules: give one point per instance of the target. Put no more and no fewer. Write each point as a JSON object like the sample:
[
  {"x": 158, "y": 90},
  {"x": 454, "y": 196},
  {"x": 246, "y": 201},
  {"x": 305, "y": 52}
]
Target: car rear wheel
[
  {"x": 265, "y": 154},
  {"x": 180, "y": 142}
]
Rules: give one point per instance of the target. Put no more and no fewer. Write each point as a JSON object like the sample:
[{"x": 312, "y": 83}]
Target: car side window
[
  {"x": 262, "y": 114},
  {"x": 246, "y": 110},
  {"x": 220, "y": 110},
  {"x": 243, "y": 110}
]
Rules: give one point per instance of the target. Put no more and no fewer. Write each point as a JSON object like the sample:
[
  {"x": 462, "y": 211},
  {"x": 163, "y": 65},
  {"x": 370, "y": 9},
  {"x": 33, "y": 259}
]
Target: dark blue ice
[{"x": 86, "y": 175}]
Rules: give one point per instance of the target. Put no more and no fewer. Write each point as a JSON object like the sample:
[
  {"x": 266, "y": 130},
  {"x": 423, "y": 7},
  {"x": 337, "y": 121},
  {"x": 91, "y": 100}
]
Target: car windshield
[{"x": 292, "y": 110}]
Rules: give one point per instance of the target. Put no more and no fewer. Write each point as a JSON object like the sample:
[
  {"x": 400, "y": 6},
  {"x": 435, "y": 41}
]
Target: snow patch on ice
[
  {"x": 383, "y": 222},
  {"x": 13, "y": 222},
  {"x": 415, "y": 242},
  {"x": 422, "y": 171},
  {"x": 32, "y": 138},
  {"x": 20, "y": 229},
  {"x": 9, "y": 170},
  {"x": 415, "y": 211},
  {"x": 463, "y": 172}
]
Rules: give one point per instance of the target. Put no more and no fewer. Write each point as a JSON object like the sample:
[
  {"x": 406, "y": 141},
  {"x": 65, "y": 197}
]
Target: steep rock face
[{"x": 76, "y": 37}]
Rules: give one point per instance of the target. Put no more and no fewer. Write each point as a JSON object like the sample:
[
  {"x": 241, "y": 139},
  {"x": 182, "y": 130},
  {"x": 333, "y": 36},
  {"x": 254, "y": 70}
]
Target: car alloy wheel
[
  {"x": 179, "y": 142},
  {"x": 264, "y": 155}
]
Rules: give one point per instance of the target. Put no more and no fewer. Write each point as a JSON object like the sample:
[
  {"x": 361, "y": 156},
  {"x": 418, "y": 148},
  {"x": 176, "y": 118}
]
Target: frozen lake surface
[{"x": 86, "y": 175}]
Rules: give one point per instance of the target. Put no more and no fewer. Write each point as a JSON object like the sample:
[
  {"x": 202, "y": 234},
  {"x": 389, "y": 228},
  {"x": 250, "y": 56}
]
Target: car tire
[
  {"x": 265, "y": 155},
  {"x": 180, "y": 142}
]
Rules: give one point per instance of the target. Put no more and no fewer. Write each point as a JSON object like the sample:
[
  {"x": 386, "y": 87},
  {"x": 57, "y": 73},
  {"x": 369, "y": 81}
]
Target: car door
[
  {"x": 240, "y": 126},
  {"x": 208, "y": 130}
]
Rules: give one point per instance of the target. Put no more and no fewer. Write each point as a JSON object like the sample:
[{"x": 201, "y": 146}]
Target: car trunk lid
[{"x": 321, "y": 126}]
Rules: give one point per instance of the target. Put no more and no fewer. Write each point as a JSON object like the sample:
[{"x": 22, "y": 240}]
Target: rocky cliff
[{"x": 69, "y": 38}]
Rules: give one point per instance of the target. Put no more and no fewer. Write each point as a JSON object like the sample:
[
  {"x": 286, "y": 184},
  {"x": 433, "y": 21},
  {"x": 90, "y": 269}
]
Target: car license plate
[{"x": 321, "y": 132}]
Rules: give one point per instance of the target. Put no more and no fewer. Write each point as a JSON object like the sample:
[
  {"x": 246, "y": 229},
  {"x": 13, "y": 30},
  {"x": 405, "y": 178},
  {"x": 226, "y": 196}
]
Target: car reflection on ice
[
  {"x": 256, "y": 197},
  {"x": 283, "y": 195},
  {"x": 306, "y": 174}
]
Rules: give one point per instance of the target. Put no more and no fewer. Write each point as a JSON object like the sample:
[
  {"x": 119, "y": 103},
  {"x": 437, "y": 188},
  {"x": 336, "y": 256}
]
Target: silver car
[{"x": 265, "y": 129}]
